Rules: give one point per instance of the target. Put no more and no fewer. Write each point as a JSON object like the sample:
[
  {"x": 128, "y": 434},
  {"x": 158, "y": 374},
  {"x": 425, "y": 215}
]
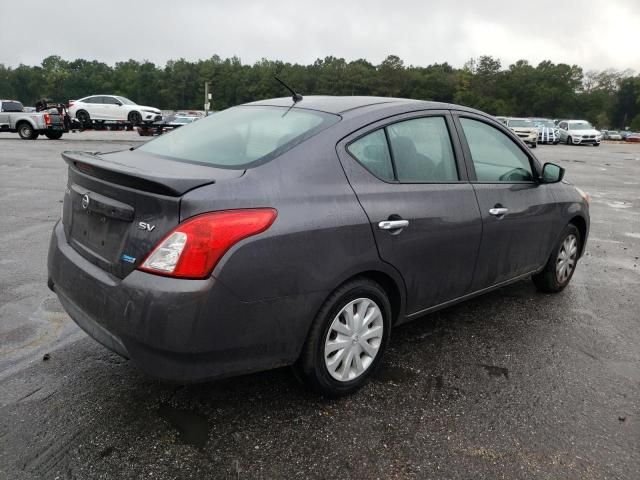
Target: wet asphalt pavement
[{"x": 514, "y": 384}]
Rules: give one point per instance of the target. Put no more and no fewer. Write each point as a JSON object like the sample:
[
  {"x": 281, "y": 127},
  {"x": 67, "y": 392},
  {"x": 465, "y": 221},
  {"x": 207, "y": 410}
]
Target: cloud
[{"x": 592, "y": 34}]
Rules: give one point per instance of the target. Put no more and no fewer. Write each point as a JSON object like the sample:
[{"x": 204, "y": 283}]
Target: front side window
[
  {"x": 372, "y": 152},
  {"x": 422, "y": 150},
  {"x": 496, "y": 158},
  {"x": 238, "y": 137}
]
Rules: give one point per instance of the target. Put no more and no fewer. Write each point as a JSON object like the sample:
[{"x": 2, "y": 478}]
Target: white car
[
  {"x": 577, "y": 132},
  {"x": 110, "y": 108}
]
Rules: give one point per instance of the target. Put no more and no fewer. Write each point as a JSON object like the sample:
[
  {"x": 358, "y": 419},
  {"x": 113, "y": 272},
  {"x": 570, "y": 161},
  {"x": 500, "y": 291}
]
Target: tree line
[{"x": 608, "y": 98}]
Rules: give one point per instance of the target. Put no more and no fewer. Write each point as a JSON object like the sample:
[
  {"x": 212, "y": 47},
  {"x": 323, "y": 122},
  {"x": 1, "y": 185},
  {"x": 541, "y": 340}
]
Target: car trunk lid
[{"x": 118, "y": 205}]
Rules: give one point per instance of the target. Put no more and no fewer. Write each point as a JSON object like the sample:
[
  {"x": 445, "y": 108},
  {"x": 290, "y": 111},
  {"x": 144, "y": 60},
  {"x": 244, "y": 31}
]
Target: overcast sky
[{"x": 593, "y": 34}]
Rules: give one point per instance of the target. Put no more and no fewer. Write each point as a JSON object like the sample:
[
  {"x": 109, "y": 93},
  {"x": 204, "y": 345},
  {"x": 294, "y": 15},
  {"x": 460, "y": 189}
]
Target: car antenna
[{"x": 296, "y": 96}]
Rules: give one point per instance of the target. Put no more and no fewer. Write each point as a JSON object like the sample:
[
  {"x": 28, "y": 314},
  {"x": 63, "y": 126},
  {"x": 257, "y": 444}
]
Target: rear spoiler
[{"x": 141, "y": 171}]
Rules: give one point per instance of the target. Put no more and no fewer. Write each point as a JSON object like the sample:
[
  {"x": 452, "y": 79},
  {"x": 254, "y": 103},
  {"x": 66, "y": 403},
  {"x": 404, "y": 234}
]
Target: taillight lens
[
  {"x": 194, "y": 247},
  {"x": 47, "y": 119}
]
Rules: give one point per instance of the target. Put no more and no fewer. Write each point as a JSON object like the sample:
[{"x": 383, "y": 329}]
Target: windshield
[
  {"x": 580, "y": 126},
  {"x": 126, "y": 101},
  {"x": 546, "y": 123},
  {"x": 182, "y": 120},
  {"x": 240, "y": 136},
  {"x": 520, "y": 123}
]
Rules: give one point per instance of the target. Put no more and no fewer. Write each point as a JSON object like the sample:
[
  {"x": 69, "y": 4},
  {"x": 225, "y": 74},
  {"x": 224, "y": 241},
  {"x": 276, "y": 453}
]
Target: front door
[
  {"x": 409, "y": 177},
  {"x": 517, "y": 211}
]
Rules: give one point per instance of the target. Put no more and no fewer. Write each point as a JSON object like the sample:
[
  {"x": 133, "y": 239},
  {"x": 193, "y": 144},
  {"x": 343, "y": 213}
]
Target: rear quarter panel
[{"x": 320, "y": 237}]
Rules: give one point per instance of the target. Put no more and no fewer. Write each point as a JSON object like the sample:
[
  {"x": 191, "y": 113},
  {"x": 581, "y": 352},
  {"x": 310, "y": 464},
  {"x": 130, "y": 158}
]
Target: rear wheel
[
  {"x": 53, "y": 135},
  {"x": 26, "y": 131},
  {"x": 83, "y": 117},
  {"x": 561, "y": 264},
  {"x": 347, "y": 339},
  {"x": 135, "y": 118}
]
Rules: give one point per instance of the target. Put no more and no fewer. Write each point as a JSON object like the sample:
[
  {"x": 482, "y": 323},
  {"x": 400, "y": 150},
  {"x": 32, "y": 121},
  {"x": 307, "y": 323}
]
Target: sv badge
[{"x": 146, "y": 226}]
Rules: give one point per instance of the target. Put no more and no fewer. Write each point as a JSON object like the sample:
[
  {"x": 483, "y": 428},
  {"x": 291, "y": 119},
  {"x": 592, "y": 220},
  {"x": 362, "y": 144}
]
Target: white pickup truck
[{"x": 29, "y": 125}]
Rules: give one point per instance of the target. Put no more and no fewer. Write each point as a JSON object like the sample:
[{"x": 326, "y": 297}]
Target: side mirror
[
  {"x": 551, "y": 173},
  {"x": 119, "y": 104}
]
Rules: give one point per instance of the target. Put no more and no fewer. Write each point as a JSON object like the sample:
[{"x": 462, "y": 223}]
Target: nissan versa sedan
[{"x": 302, "y": 232}]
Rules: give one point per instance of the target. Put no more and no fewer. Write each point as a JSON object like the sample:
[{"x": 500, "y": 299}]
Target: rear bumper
[{"x": 178, "y": 330}]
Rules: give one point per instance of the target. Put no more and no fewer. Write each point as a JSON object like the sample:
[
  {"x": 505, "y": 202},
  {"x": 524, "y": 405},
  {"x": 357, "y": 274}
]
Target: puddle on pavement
[
  {"x": 494, "y": 371},
  {"x": 191, "y": 426},
  {"x": 52, "y": 305}
]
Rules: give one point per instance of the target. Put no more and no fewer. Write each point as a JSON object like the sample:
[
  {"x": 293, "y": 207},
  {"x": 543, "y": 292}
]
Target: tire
[
  {"x": 552, "y": 279},
  {"x": 534, "y": 145},
  {"x": 332, "y": 326},
  {"x": 83, "y": 117},
  {"x": 596, "y": 144},
  {"x": 26, "y": 131},
  {"x": 135, "y": 118},
  {"x": 53, "y": 135},
  {"x": 569, "y": 141}
]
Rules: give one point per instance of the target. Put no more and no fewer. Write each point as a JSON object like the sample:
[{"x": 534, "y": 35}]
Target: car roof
[{"x": 340, "y": 105}]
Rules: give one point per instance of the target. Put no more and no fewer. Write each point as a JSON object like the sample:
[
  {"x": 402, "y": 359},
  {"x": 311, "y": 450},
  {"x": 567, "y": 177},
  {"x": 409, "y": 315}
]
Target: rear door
[
  {"x": 517, "y": 212},
  {"x": 110, "y": 108},
  {"x": 407, "y": 174}
]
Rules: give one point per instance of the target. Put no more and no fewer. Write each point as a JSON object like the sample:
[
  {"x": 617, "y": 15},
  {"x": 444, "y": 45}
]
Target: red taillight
[
  {"x": 47, "y": 119},
  {"x": 194, "y": 247}
]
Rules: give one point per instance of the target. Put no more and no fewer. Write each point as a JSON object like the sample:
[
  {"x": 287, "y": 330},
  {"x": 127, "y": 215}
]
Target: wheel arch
[
  {"x": 581, "y": 224},
  {"x": 390, "y": 281},
  {"x": 29, "y": 121}
]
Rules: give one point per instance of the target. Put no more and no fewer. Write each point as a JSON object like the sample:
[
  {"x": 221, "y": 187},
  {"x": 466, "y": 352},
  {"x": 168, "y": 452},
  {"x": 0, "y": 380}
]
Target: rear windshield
[
  {"x": 240, "y": 136},
  {"x": 11, "y": 107}
]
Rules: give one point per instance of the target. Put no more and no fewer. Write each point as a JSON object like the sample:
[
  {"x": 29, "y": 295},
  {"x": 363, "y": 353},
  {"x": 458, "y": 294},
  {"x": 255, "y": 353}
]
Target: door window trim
[
  {"x": 458, "y": 155},
  {"x": 471, "y": 170}
]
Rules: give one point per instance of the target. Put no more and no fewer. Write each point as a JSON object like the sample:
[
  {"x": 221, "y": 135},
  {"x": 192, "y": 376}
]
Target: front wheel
[
  {"x": 569, "y": 141},
  {"x": 534, "y": 145},
  {"x": 135, "y": 118},
  {"x": 596, "y": 144},
  {"x": 347, "y": 339},
  {"x": 561, "y": 264}
]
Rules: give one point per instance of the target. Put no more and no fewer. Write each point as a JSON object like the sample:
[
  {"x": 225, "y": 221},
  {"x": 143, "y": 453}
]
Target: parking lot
[{"x": 513, "y": 384}]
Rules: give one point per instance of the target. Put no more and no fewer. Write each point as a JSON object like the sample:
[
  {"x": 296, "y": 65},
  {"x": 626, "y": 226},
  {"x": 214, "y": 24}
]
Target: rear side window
[
  {"x": 422, "y": 150},
  {"x": 241, "y": 136},
  {"x": 372, "y": 152},
  {"x": 11, "y": 107},
  {"x": 496, "y": 158},
  {"x": 91, "y": 100}
]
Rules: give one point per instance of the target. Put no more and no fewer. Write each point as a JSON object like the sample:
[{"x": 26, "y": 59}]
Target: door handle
[
  {"x": 498, "y": 211},
  {"x": 393, "y": 224}
]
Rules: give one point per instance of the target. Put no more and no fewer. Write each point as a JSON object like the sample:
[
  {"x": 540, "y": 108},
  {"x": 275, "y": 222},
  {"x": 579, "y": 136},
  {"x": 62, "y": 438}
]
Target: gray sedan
[{"x": 300, "y": 232}]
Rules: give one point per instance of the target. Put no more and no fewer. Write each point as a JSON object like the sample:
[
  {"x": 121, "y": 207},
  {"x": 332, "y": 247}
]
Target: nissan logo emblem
[{"x": 85, "y": 201}]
